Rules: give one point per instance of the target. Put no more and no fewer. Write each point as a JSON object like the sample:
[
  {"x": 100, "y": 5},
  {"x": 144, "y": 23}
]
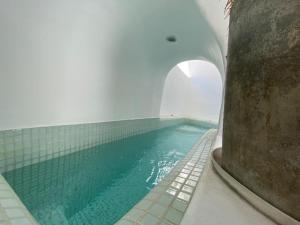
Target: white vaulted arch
[{"x": 79, "y": 61}]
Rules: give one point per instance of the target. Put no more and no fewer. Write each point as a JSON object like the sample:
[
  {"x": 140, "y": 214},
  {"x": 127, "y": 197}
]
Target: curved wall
[
  {"x": 79, "y": 61},
  {"x": 262, "y": 107}
]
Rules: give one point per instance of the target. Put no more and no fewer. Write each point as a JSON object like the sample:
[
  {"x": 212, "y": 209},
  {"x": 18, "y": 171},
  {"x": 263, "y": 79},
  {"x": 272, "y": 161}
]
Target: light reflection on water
[{"x": 99, "y": 185}]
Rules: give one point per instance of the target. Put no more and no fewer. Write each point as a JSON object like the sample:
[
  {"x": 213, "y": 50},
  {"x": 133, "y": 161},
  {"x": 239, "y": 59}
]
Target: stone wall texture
[{"x": 261, "y": 144}]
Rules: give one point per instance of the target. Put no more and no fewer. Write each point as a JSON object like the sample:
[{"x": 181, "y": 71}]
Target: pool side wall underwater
[
  {"x": 169, "y": 200},
  {"x": 32, "y": 145},
  {"x": 23, "y": 147}
]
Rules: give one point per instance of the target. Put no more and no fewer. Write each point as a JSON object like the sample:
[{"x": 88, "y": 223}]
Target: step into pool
[{"x": 99, "y": 185}]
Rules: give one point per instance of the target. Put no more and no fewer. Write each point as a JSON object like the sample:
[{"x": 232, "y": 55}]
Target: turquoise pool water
[{"x": 99, "y": 185}]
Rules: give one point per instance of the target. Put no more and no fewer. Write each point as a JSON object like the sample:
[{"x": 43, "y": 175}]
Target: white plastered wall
[
  {"x": 80, "y": 61},
  {"x": 198, "y": 96}
]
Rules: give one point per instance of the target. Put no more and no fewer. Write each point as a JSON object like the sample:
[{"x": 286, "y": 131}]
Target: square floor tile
[
  {"x": 135, "y": 214},
  {"x": 196, "y": 174},
  {"x": 184, "y": 196},
  {"x": 165, "y": 199},
  {"x": 191, "y": 164},
  {"x": 185, "y": 171},
  {"x": 149, "y": 220},
  {"x": 179, "y": 205},
  {"x": 174, "y": 216},
  {"x": 188, "y": 167},
  {"x": 183, "y": 175},
  {"x": 171, "y": 191},
  {"x": 144, "y": 204},
  {"x": 199, "y": 167},
  {"x": 176, "y": 185},
  {"x": 187, "y": 189},
  {"x": 194, "y": 178},
  {"x": 197, "y": 170},
  {"x": 191, "y": 183},
  {"x": 157, "y": 210},
  {"x": 180, "y": 179}
]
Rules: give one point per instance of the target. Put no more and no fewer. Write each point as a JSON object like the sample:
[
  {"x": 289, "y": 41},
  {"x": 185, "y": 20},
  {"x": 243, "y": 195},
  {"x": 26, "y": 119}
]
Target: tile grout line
[
  {"x": 27, "y": 219},
  {"x": 193, "y": 163}
]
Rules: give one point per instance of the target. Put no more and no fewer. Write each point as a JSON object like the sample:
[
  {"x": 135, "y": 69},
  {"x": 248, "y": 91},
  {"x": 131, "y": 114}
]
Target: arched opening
[{"x": 193, "y": 89}]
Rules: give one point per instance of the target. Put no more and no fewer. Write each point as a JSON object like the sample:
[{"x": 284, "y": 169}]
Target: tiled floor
[
  {"x": 168, "y": 201},
  {"x": 12, "y": 211}
]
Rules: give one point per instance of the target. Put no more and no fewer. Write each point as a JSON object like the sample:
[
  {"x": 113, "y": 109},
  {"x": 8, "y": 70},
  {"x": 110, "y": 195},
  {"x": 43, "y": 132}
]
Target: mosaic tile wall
[{"x": 22, "y": 147}]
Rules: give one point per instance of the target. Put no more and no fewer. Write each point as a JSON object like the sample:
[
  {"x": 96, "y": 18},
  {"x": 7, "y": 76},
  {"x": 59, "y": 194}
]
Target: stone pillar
[{"x": 261, "y": 135}]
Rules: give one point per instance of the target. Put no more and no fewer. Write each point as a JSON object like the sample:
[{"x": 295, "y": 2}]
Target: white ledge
[{"x": 260, "y": 204}]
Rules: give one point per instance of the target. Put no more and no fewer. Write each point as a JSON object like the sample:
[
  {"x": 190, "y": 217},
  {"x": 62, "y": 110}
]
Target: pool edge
[
  {"x": 12, "y": 210},
  {"x": 169, "y": 200}
]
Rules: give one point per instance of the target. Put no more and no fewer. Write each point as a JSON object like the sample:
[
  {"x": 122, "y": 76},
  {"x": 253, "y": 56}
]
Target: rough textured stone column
[{"x": 261, "y": 142}]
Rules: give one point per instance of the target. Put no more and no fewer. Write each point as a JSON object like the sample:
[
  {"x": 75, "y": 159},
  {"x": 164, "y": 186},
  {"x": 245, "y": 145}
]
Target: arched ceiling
[
  {"x": 70, "y": 61},
  {"x": 198, "y": 27}
]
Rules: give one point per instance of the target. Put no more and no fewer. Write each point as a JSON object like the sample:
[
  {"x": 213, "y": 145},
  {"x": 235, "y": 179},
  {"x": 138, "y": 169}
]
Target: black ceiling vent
[{"x": 171, "y": 38}]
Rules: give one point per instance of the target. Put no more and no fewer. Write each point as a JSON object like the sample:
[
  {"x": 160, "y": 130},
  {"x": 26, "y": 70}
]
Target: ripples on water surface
[{"x": 99, "y": 185}]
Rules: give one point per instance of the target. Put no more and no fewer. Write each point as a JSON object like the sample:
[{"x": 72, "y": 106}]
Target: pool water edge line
[
  {"x": 207, "y": 140},
  {"x": 12, "y": 209},
  {"x": 171, "y": 213},
  {"x": 43, "y": 143},
  {"x": 257, "y": 202}
]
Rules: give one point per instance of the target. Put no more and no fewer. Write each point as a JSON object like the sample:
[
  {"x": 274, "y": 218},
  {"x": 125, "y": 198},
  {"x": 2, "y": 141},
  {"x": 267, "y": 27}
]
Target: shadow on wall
[{"x": 193, "y": 89}]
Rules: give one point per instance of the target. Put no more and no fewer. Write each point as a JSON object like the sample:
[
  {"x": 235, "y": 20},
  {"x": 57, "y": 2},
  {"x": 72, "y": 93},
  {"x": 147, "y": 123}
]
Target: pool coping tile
[
  {"x": 13, "y": 212},
  {"x": 175, "y": 192}
]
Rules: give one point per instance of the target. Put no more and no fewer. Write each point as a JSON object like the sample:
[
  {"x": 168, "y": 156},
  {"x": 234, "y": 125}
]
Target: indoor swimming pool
[{"x": 99, "y": 185}]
